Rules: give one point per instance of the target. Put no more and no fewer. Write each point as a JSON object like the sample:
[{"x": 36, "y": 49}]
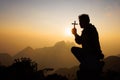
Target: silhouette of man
[{"x": 89, "y": 39}]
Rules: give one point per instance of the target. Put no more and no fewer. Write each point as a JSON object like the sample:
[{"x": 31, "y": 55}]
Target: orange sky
[{"x": 40, "y": 23}]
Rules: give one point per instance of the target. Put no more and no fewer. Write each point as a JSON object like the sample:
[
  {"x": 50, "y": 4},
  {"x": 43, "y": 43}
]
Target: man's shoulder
[{"x": 92, "y": 27}]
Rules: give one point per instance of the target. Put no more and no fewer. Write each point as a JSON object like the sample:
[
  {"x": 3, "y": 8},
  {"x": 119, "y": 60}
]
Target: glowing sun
[{"x": 68, "y": 31}]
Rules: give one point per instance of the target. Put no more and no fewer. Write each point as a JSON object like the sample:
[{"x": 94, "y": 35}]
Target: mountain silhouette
[
  {"x": 5, "y": 59},
  {"x": 112, "y": 63},
  {"x": 57, "y": 56},
  {"x": 27, "y": 52}
]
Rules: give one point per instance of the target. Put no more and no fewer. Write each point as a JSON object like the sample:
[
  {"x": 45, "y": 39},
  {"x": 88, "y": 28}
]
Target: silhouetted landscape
[
  {"x": 49, "y": 63},
  {"x": 59, "y": 40},
  {"x": 47, "y": 56},
  {"x": 56, "y": 56}
]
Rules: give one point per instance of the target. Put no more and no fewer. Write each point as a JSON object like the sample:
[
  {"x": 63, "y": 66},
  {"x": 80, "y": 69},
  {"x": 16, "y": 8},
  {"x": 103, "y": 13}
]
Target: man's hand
[{"x": 74, "y": 31}]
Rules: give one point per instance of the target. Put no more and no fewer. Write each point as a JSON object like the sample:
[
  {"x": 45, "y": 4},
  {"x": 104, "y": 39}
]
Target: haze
[{"x": 40, "y": 23}]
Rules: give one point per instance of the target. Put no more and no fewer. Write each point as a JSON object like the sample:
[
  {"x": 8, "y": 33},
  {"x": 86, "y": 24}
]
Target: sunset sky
[{"x": 40, "y": 23}]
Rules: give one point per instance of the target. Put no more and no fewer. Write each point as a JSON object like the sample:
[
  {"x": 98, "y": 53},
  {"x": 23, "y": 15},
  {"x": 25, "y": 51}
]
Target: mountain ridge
[
  {"x": 58, "y": 56},
  {"x": 52, "y": 56}
]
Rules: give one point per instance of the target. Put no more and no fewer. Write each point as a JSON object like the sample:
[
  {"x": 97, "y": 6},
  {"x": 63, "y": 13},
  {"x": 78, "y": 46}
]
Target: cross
[{"x": 74, "y": 23}]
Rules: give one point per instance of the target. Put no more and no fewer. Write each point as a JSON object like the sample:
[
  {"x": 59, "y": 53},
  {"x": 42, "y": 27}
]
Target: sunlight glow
[{"x": 68, "y": 31}]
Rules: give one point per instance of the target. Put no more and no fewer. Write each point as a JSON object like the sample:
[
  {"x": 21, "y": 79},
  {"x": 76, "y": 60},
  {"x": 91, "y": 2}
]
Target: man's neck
[{"x": 86, "y": 26}]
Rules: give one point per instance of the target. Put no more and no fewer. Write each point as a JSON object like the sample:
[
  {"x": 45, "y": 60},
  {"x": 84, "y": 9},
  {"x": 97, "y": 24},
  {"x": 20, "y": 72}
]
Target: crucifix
[{"x": 74, "y": 23}]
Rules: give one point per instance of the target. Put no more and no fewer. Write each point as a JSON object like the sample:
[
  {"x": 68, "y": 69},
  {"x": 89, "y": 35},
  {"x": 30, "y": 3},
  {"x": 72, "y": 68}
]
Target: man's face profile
[{"x": 82, "y": 23}]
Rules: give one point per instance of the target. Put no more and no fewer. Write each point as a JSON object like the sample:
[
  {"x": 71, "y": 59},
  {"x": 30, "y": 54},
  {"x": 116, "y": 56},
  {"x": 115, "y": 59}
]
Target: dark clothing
[
  {"x": 90, "y": 45},
  {"x": 89, "y": 39},
  {"x": 90, "y": 55}
]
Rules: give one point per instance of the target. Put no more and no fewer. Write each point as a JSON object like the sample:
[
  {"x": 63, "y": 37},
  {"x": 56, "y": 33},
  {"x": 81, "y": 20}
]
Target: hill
[
  {"x": 5, "y": 59},
  {"x": 112, "y": 63},
  {"x": 57, "y": 56}
]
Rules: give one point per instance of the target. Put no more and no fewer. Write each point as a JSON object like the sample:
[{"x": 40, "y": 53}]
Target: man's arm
[{"x": 78, "y": 38}]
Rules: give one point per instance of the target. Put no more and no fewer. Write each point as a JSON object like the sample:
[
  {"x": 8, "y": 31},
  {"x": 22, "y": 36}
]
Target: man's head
[{"x": 83, "y": 20}]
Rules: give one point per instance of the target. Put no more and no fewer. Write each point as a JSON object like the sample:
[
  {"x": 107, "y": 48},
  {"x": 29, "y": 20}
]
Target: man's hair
[{"x": 84, "y": 17}]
